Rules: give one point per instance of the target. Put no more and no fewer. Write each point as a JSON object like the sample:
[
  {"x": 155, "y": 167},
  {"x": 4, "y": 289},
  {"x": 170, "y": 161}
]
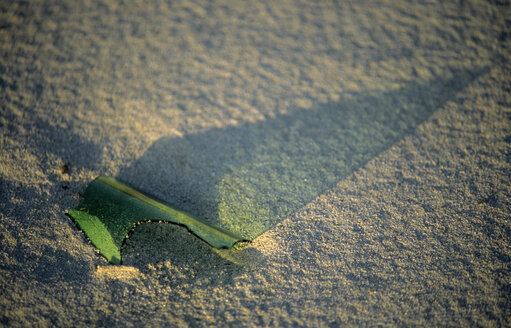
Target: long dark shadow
[{"x": 247, "y": 178}]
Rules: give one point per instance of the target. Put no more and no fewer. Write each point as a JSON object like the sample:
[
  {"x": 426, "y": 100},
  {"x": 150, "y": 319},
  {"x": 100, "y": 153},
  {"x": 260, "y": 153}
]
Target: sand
[{"x": 403, "y": 219}]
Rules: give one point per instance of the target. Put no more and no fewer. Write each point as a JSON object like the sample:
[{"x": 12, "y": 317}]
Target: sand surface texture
[{"x": 367, "y": 146}]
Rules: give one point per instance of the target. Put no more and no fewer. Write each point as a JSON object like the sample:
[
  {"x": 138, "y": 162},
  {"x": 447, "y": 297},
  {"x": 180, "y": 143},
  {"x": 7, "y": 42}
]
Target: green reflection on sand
[{"x": 249, "y": 177}]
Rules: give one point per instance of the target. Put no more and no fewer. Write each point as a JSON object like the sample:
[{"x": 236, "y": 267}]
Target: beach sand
[{"x": 390, "y": 123}]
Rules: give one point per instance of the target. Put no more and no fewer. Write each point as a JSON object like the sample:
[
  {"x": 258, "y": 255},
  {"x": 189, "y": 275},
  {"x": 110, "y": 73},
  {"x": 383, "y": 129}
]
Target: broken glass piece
[{"x": 109, "y": 209}]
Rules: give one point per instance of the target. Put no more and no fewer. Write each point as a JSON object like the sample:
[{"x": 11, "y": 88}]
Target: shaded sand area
[{"x": 366, "y": 145}]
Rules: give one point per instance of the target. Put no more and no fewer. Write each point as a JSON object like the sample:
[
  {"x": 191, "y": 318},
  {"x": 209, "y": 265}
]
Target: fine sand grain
[{"x": 369, "y": 142}]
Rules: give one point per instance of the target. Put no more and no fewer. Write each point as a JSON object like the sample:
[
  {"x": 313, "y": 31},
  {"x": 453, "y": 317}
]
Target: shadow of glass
[{"x": 247, "y": 178}]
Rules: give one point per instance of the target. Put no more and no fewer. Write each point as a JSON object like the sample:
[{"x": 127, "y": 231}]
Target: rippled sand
[{"x": 367, "y": 144}]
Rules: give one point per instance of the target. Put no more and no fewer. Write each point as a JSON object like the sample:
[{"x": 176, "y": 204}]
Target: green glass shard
[{"x": 109, "y": 209}]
